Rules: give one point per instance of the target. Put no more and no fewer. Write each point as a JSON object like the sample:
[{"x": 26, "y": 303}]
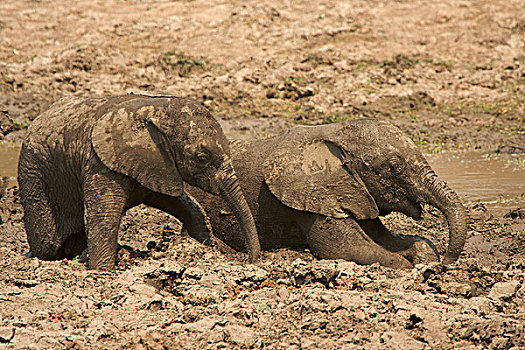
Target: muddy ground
[{"x": 450, "y": 74}]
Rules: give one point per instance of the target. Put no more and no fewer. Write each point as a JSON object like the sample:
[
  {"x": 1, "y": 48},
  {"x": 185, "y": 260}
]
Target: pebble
[
  {"x": 504, "y": 290},
  {"x": 240, "y": 335}
]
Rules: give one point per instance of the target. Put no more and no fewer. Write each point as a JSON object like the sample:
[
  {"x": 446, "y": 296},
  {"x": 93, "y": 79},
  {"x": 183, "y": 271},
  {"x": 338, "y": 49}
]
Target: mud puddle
[
  {"x": 9, "y": 161},
  {"x": 496, "y": 181}
]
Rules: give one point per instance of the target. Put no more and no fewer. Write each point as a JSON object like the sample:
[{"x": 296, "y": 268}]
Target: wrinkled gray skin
[
  {"x": 323, "y": 187},
  {"x": 85, "y": 161}
]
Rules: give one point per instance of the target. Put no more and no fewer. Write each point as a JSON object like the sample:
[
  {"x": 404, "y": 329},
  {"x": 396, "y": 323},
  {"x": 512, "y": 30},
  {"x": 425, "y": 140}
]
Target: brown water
[
  {"x": 9, "y": 161},
  {"x": 497, "y": 182}
]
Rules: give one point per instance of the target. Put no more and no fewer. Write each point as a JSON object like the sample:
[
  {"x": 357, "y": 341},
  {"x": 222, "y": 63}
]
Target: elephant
[
  {"x": 85, "y": 161},
  {"x": 324, "y": 188}
]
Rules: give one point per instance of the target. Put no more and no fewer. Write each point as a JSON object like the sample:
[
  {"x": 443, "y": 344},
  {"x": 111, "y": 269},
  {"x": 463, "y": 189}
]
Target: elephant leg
[
  {"x": 105, "y": 197},
  {"x": 188, "y": 211},
  {"x": 331, "y": 238},
  {"x": 415, "y": 248},
  {"x": 45, "y": 241}
]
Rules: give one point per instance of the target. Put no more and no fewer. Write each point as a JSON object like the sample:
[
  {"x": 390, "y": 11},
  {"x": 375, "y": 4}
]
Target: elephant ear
[
  {"x": 131, "y": 144},
  {"x": 313, "y": 178}
]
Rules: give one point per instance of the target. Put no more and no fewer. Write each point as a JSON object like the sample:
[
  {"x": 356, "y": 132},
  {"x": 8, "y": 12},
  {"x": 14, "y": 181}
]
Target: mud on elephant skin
[
  {"x": 324, "y": 187},
  {"x": 86, "y": 161}
]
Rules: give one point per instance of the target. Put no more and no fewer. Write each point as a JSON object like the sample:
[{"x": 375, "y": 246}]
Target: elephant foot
[{"x": 83, "y": 257}]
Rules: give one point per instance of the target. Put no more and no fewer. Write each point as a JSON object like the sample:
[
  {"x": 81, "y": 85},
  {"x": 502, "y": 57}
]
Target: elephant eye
[
  {"x": 394, "y": 163},
  {"x": 202, "y": 158}
]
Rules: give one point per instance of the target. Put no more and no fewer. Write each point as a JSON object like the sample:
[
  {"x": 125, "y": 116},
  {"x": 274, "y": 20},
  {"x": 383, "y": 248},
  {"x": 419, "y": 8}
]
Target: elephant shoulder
[{"x": 64, "y": 121}]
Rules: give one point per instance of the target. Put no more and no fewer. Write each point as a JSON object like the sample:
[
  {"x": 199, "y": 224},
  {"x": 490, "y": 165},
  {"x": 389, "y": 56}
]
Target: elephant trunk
[
  {"x": 437, "y": 193},
  {"x": 230, "y": 191}
]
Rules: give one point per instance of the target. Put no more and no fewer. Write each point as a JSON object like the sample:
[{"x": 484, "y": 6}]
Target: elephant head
[
  {"x": 163, "y": 143},
  {"x": 363, "y": 169}
]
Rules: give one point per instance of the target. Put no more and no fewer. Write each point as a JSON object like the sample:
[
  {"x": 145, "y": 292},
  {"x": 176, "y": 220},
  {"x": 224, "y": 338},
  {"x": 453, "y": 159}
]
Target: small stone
[
  {"x": 308, "y": 343},
  {"x": 463, "y": 289},
  {"x": 500, "y": 342},
  {"x": 480, "y": 305},
  {"x": 193, "y": 272},
  {"x": 504, "y": 290},
  {"x": 413, "y": 321},
  {"x": 172, "y": 268},
  {"x": 6, "y": 124},
  {"x": 240, "y": 335},
  {"x": 7, "y": 334},
  {"x": 283, "y": 293}
]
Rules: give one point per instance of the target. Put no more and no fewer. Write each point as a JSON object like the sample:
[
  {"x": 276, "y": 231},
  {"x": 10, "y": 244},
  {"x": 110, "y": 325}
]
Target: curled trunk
[
  {"x": 437, "y": 193},
  {"x": 230, "y": 191}
]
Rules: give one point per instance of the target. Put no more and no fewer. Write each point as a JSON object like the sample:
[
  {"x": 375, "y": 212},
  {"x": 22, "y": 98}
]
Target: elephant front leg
[
  {"x": 331, "y": 238},
  {"x": 188, "y": 211},
  {"x": 415, "y": 248},
  {"x": 104, "y": 205}
]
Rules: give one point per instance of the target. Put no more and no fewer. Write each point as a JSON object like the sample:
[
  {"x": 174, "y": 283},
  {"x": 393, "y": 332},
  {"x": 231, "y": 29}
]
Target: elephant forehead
[
  {"x": 188, "y": 109},
  {"x": 148, "y": 113},
  {"x": 396, "y": 136}
]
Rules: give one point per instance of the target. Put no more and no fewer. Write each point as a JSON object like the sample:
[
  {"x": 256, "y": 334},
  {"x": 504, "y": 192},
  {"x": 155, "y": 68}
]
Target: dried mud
[{"x": 449, "y": 73}]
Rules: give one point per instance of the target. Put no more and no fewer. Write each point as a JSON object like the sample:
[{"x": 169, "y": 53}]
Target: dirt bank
[{"x": 451, "y": 74}]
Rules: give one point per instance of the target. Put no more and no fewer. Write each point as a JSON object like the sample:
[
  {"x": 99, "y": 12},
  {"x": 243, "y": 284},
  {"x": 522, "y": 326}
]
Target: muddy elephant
[
  {"x": 324, "y": 187},
  {"x": 85, "y": 161}
]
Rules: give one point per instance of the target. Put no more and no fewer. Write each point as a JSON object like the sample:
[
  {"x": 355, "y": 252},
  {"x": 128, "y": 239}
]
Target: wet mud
[{"x": 449, "y": 74}]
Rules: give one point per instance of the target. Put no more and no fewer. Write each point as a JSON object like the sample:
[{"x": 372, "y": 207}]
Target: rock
[
  {"x": 283, "y": 293},
  {"x": 500, "y": 342},
  {"x": 515, "y": 214},
  {"x": 7, "y": 334},
  {"x": 413, "y": 321},
  {"x": 308, "y": 343},
  {"x": 195, "y": 273},
  {"x": 480, "y": 305},
  {"x": 203, "y": 325},
  {"x": 521, "y": 292},
  {"x": 6, "y": 124},
  {"x": 172, "y": 268},
  {"x": 240, "y": 335},
  {"x": 255, "y": 274},
  {"x": 460, "y": 289},
  {"x": 504, "y": 290}
]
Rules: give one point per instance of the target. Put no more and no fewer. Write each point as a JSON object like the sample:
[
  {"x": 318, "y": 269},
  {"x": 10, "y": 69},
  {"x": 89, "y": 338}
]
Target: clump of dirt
[
  {"x": 177, "y": 63},
  {"x": 6, "y": 124}
]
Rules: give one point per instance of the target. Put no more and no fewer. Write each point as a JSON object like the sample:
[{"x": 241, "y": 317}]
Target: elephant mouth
[
  {"x": 406, "y": 206},
  {"x": 208, "y": 182},
  {"x": 413, "y": 210}
]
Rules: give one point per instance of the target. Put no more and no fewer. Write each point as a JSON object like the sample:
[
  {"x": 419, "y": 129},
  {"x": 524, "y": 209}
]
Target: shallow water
[
  {"x": 9, "y": 161},
  {"x": 498, "y": 182}
]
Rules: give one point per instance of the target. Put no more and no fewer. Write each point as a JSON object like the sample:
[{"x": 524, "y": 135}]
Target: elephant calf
[
  {"x": 323, "y": 187},
  {"x": 85, "y": 161}
]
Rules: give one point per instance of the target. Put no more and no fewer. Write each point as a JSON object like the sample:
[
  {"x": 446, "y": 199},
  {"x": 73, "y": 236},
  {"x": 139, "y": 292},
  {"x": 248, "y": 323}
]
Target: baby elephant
[
  {"x": 324, "y": 187},
  {"x": 85, "y": 161}
]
